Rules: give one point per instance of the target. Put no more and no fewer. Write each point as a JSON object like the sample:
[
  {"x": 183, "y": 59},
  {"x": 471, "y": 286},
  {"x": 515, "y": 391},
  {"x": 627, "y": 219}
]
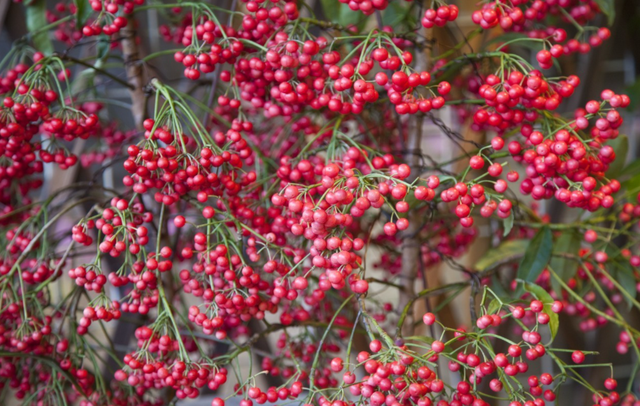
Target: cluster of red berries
[
  {"x": 258, "y": 25},
  {"x": 503, "y": 96},
  {"x": 573, "y": 165},
  {"x": 123, "y": 229},
  {"x": 545, "y": 57},
  {"x": 103, "y": 313},
  {"x": 20, "y": 118},
  {"x": 206, "y": 62},
  {"x": 522, "y": 15},
  {"x": 69, "y": 128},
  {"x": 440, "y": 16},
  {"x": 167, "y": 370},
  {"x": 367, "y": 7},
  {"x": 174, "y": 174},
  {"x": 579, "y": 165},
  {"x": 90, "y": 280},
  {"x": 300, "y": 74},
  {"x": 112, "y": 16},
  {"x": 227, "y": 311}
]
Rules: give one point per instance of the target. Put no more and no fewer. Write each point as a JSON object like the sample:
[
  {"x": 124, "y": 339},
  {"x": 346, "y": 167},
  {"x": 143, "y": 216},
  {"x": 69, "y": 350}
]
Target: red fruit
[
  {"x": 476, "y": 162},
  {"x": 375, "y": 346},
  {"x": 437, "y": 346},
  {"x": 610, "y": 384},
  {"x": 390, "y": 229},
  {"x": 336, "y": 365},
  {"x": 577, "y": 357},
  {"x": 429, "y": 319}
]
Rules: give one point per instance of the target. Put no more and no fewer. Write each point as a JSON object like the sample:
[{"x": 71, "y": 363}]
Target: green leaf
[
  {"x": 608, "y": 7},
  {"x": 85, "y": 80},
  {"x": 568, "y": 243},
  {"x": 537, "y": 256},
  {"x": 394, "y": 14},
  {"x": 508, "y": 225},
  {"x": 631, "y": 187},
  {"x": 502, "y": 253},
  {"x": 621, "y": 146},
  {"x": 510, "y": 36},
  {"x": 83, "y": 11},
  {"x": 424, "y": 339},
  {"x": 625, "y": 276},
  {"x": 634, "y": 95},
  {"x": 36, "y": 19},
  {"x": 331, "y": 9},
  {"x": 340, "y": 13},
  {"x": 494, "y": 306},
  {"x": 631, "y": 169},
  {"x": 546, "y": 299},
  {"x": 103, "y": 46},
  {"x": 519, "y": 40},
  {"x": 448, "y": 300},
  {"x": 498, "y": 289}
]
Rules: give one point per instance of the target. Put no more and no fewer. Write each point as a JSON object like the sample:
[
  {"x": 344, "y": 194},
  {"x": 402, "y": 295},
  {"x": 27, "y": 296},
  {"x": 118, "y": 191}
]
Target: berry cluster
[
  {"x": 367, "y": 7},
  {"x": 440, "y": 16},
  {"x": 522, "y": 16},
  {"x": 112, "y": 16}
]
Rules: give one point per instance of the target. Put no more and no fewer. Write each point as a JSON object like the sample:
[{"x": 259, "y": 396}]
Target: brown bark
[
  {"x": 410, "y": 243},
  {"x": 135, "y": 71}
]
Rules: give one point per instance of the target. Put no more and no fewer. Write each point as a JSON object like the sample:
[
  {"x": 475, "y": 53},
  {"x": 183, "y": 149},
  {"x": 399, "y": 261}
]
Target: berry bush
[{"x": 272, "y": 227}]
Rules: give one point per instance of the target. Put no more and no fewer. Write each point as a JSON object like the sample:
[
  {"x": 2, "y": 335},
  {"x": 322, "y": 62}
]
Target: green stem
[
  {"x": 321, "y": 343},
  {"x": 98, "y": 70},
  {"x": 425, "y": 293},
  {"x": 589, "y": 306}
]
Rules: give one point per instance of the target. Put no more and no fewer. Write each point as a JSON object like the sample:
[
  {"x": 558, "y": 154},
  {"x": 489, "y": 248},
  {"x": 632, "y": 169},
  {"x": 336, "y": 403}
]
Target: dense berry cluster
[{"x": 441, "y": 16}]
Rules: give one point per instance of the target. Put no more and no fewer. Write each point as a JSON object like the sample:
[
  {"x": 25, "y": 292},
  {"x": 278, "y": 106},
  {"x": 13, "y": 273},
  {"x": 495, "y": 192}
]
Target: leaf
[
  {"x": 331, "y": 9},
  {"x": 634, "y": 95},
  {"x": 442, "y": 304},
  {"x": 546, "y": 299},
  {"x": 498, "y": 289},
  {"x": 568, "y": 243},
  {"x": 103, "y": 46},
  {"x": 609, "y": 9},
  {"x": 424, "y": 339},
  {"x": 83, "y": 11},
  {"x": 625, "y": 276},
  {"x": 508, "y": 225},
  {"x": 507, "y": 250},
  {"x": 631, "y": 186},
  {"x": 85, "y": 80},
  {"x": 631, "y": 169},
  {"x": 519, "y": 40},
  {"x": 395, "y": 14},
  {"x": 510, "y": 36},
  {"x": 494, "y": 306},
  {"x": 341, "y": 14},
  {"x": 36, "y": 19},
  {"x": 537, "y": 256},
  {"x": 621, "y": 146}
]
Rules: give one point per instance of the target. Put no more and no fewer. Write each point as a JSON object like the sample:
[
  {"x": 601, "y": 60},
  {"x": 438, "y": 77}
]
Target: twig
[{"x": 100, "y": 71}]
